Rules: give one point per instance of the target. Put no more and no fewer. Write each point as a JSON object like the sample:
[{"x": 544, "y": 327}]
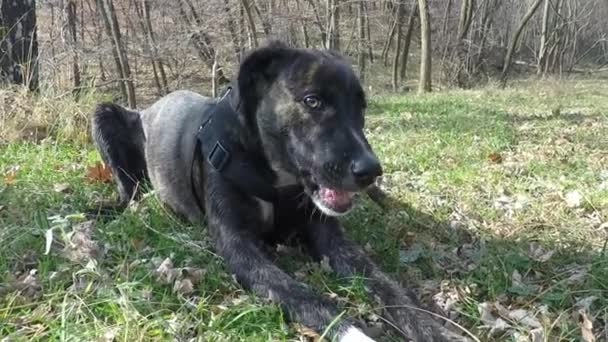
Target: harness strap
[{"x": 234, "y": 165}]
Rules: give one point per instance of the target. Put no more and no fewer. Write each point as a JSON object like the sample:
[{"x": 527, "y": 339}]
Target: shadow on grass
[{"x": 517, "y": 272}]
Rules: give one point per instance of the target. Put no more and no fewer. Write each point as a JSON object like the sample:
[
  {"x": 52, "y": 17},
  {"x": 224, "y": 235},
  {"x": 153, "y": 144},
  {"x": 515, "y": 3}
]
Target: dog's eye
[{"x": 313, "y": 102}]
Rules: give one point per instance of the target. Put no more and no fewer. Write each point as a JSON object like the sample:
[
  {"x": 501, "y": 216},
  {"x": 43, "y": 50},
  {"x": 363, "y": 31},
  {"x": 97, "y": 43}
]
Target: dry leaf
[
  {"x": 183, "y": 286},
  {"x": 577, "y": 276},
  {"x": 585, "y": 303},
  {"x": 194, "y": 274},
  {"x": 511, "y": 203},
  {"x": 28, "y": 285},
  {"x": 537, "y": 335},
  {"x": 183, "y": 279},
  {"x": 538, "y": 253},
  {"x": 446, "y": 301},
  {"x": 99, "y": 172},
  {"x": 516, "y": 279},
  {"x": 239, "y": 300},
  {"x": 586, "y": 326},
  {"x": 524, "y": 317},
  {"x": 48, "y": 236},
  {"x": 165, "y": 272},
  {"x": 109, "y": 335},
  {"x": 495, "y": 157},
  {"x": 574, "y": 199},
  {"x": 305, "y": 331},
  {"x": 325, "y": 266},
  {"x": 62, "y": 187},
  {"x": 9, "y": 177},
  {"x": 496, "y": 325},
  {"x": 81, "y": 247}
]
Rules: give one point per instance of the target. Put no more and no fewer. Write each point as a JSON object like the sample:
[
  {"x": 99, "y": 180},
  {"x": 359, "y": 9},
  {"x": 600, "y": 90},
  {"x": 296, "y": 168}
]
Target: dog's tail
[{"x": 119, "y": 137}]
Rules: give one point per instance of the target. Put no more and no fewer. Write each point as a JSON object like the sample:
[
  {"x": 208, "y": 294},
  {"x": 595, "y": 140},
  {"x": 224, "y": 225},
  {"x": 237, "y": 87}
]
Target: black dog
[{"x": 282, "y": 153}]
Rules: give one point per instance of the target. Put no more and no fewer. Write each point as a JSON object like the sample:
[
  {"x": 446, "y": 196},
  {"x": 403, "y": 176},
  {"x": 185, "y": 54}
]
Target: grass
[{"x": 478, "y": 179}]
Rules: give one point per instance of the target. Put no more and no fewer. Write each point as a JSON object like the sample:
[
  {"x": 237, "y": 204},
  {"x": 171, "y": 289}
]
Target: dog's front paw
[{"x": 353, "y": 334}]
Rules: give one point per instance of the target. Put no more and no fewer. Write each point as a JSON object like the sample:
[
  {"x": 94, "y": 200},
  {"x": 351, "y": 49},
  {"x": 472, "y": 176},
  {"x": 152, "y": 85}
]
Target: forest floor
[{"x": 498, "y": 217}]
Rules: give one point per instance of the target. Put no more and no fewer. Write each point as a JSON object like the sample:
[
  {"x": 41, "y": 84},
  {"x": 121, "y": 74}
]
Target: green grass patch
[{"x": 498, "y": 197}]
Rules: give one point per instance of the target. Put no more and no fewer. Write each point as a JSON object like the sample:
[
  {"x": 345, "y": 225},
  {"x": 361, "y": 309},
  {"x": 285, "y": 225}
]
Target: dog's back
[
  {"x": 156, "y": 144},
  {"x": 170, "y": 126}
]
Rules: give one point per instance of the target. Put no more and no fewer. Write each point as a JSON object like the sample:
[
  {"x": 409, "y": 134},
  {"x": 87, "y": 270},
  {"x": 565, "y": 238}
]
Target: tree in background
[
  {"x": 19, "y": 43},
  {"x": 157, "y": 45},
  {"x": 424, "y": 84},
  {"x": 515, "y": 40}
]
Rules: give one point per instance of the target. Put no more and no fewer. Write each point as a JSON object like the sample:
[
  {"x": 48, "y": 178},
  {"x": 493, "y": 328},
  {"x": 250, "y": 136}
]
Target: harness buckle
[{"x": 218, "y": 157}]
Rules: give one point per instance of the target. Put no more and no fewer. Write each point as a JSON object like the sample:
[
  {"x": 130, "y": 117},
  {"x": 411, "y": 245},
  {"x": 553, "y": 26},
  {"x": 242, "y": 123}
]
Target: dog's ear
[{"x": 257, "y": 72}]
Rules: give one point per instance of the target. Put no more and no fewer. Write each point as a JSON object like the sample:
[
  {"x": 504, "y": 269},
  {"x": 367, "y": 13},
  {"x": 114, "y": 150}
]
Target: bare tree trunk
[
  {"x": 370, "y": 52},
  {"x": 231, "y": 28},
  {"x": 19, "y": 43},
  {"x": 243, "y": 29},
  {"x": 522, "y": 25},
  {"x": 318, "y": 22},
  {"x": 202, "y": 41},
  {"x": 266, "y": 26},
  {"x": 466, "y": 17},
  {"x": 109, "y": 15},
  {"x": 52, "y": 39},
  {"x": 446, "y": 18},
  {"x": 333, "y": 25},
  {"x": 408, "y": 39},
  {"x": 400, "y": 15},
  {"x": 425, "y": 48},
  {"x": 389, "y": 40},
  {"x": 361, "y": 43},
  {"x": 115, "y": 54},
  {"x": 543, "y": 39},
  {"x": 70, "y": 9},
  {"x": 157, "y": 63},
  {"x": 95, "y": 11},
  {"x": 490, "y": 7},
  {"x": 253, "y": 40},
  {"x": 214, "y": 78}
]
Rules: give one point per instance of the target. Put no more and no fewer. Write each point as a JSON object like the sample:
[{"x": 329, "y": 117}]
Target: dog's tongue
[{"x": 336, "y": 198}]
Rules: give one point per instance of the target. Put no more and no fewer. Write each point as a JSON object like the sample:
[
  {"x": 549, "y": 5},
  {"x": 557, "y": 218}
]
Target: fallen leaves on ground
[
  {"x": 183, "y": 279},
  {"x": 99, "y": 172},
  {"x": 510, "y": 204},
  {"x": 10, "y": 175},
  {"x": 539, "y": 253},
  {"x": 80, "y": 246},
  {"x": 500, "y": 319},
  {"x": 411, "y": 254},
  {"x": 495, "y": 157},
  {"x": 586, "y": 324},
  {"x": 573, "y": 199},
  {"x": 61, "y": 187},
  {"x": 307, "y": 332},
  {"x": 26, "y": 285},
  {"x": 495, "y": 324}
]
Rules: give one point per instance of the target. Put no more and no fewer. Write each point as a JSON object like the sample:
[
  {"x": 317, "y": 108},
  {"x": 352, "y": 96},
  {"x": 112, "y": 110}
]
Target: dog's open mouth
[{"x": 333, "y": 202}]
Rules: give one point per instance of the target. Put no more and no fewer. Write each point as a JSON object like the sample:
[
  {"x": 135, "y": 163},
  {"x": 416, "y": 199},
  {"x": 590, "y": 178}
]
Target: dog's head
[{"x": 308, "y": 109}]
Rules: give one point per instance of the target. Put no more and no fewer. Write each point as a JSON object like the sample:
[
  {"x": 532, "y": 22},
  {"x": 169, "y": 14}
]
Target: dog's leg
[
  {"x": 119, "y": 137},
  {"x": 244, "y": 257},
  {"x": 256, "y": 272},
  {"x": 347, "y": 259}
]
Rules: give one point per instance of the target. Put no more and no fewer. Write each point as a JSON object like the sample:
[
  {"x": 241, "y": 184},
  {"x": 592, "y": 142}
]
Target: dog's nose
[{"x": 366, "y": 169}]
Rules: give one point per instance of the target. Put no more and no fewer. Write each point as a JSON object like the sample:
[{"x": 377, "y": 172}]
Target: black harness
[{"x": 215, "y": 144}]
